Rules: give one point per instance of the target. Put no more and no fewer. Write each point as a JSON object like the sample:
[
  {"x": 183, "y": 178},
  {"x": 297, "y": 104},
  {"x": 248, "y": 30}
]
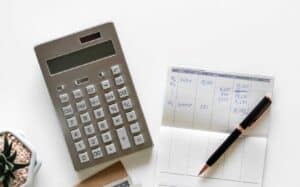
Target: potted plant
[{"x": 18, "y": 164}]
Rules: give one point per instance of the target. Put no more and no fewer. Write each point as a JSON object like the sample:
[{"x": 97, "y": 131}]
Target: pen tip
[
  {"x": 269, "y": 95},
  {"x": 204, "y": 168}
]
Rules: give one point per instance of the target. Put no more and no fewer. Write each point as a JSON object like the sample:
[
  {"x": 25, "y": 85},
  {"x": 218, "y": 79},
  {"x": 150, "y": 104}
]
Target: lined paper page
[
  {"x": 213, "y": 101},
  {"x": 201, "y": 109}
]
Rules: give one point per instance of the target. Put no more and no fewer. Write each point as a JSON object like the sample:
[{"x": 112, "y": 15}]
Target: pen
[{"x": 258, "y": 110}]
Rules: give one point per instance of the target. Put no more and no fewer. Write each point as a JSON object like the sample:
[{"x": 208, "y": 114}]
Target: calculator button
[
  {"x": 72, "y": 122},
  {"x": 67, "y": 110},
  {"x": 105, "y": 84},
  {"x": 77, "y": 93},
  {"x": 81, "y": 106},
  {"x": 76, "y": 134},
  {"x": 110, "y": 96},
  {"x": 123, "y": 138},
  {"x": 139, "y": 139},
  {"x": 127, "y": 104},
  {"x": 84, "y": 157},
  {"x": 93, "y": 141},
  {"x": 85, "y": 117},
  {"x": 60, "y": 88},
  {"x": 80, "y": 146},
  {"x": 95, "y": 101},
  {"x": 103, "y": 125},
  {"x": 113, "y": 109},
  {"x": 106, "y": 137},
  {"x": 99, "y": 113},
  {"x": 89, "y": 129},
  {"x": 115, "y": 69},
  {"x": 110, "y": 149},
  {"x": 123, "y": 92},
  {"x": 117, "y": 120},
  {"x": 64, "y": 98},
  {"x": 131, "y": 116},
  {"x": 97, "y": 153},
  {"x": 135, "y": 128},
  {"x": 90, "y": 89},
  {"x": 119, "y": 80}
]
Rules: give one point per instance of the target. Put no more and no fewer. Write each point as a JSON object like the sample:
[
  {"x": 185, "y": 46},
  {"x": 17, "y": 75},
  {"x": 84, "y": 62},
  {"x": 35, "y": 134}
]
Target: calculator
[{"x": 94, "y": 96}]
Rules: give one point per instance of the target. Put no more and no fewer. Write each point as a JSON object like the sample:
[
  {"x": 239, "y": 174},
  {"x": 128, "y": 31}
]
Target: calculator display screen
[{"x": 80, "y": 57}]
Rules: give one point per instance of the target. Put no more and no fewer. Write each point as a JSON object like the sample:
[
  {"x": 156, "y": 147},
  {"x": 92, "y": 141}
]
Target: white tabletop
[{"x": 257, "y": 36}]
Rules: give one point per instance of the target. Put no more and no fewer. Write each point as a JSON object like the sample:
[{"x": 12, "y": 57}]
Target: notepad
[{"x": 201, "y": 108}]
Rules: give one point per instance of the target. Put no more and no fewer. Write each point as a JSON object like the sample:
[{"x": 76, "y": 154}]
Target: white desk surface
[{"x": 257, "y": 36}]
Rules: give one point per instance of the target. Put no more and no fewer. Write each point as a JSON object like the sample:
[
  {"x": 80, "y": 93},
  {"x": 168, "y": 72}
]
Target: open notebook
[{"x": 201, "y": 108}]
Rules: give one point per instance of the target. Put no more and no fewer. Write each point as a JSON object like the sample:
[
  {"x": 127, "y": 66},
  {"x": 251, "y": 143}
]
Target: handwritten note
[{"x": 201, "y": 108}]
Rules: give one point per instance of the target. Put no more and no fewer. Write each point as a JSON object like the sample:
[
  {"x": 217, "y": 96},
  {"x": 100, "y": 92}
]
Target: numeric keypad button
[
  {"x": 105, "y": 84},
  {"x": 102, "y": 125},
  {"x": 67, "y": 110},
  {"x": 77, "y": 93},
  {"x": 80, "y": 146},
  {"x": 109, "y": 96},
  {"x": 72, "y": 122},
  {"x": 93, "y": 141},
  {"x": 111, "y": 148},
  {"x": 85, "y": 118},
  {"x": 84, "y": 157},
  {"x": 139, "y": 139},
  {"x": 131, "y": 116},
  {"x": 81, "y": 106},
  {"x": 89, "y": 129},
  {"x": 119, "y": 80},
  {"x": 90, "y": 89},
  {"x": 127, "y": 104},
  {"x": 123, "y": 138},
  {"x": 117, "y": 120},
  {"x": 95, "y": 101},
  {"x": 113, "y": 109},
  {"x": 97, "y": 153},
  {"x": 123, "y": 92},
  {"x": 115, "y": 69},
  {"x": 64, "y": 98},
  {"x": 99, "y": 113},
  {"x": 135, "y": 128},
  {"x": 76, "y": 134},
  {"x": 106, "y": 137}
]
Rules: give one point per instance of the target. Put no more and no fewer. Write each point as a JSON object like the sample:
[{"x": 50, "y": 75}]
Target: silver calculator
[{"x": 94, "y": 96}]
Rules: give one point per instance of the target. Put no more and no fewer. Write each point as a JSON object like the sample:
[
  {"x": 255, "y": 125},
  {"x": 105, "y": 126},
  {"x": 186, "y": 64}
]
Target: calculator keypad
[{"x": 101, "y": 117}]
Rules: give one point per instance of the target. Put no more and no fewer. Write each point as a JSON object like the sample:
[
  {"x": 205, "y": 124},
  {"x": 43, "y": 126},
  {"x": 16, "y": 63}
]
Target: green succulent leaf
[
  {"x": 6, "y": 145},
  {"x": 12, "y": 157},
  {"x": 19, "y": 166},
  {"x": 2, "y": 168},
  {"x": 2, "y": 158},
  {"x": 10, "y": 173},
  {"x": 6, "y": 182},
  {"x": 7, "y": 151},
  {"x": 2, "y": 178}
]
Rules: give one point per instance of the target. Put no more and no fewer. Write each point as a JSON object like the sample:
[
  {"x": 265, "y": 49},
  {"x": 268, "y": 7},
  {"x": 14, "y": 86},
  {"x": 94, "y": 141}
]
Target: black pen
[{"x": 259, "y": 109}]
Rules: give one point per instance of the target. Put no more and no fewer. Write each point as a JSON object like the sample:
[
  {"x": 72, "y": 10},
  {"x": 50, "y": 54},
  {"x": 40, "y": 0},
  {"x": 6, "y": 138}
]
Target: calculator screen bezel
[
  {"x": 81, "y": 57},
  {"x": 71, "y": 43}
]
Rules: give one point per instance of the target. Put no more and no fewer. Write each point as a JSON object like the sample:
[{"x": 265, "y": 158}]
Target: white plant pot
[{"x": 34, "y": 165}]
